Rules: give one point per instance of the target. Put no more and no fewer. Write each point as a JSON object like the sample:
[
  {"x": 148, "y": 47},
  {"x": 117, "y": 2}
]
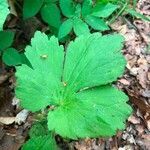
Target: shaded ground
[{"x": 135, "y": 82}]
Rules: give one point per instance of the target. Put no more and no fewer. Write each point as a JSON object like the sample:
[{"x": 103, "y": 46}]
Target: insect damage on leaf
[
  {"x": 44, "y": 56},
  {"x": 64, "y": 84},
  {"x": 85, "y": 104}
]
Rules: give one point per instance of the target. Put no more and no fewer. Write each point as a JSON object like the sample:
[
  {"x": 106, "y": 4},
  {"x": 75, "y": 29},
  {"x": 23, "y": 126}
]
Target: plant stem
[
  {"x": 134, "y": 4},
  {"x": 119, "y": 13}
]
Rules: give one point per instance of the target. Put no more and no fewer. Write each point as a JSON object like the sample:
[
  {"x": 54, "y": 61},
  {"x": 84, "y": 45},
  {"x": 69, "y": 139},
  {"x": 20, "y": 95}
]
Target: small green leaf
[
  {"x": 31, "y": 7},
  {"x": 67, "y": 7},
  {"x": 104, "y": 10},
  {"x": 46, "y": 142},
  {"x": 46, "y": 54},
  {"x": 65, "y": 28},
  {"x": 11, "y": 57},
  {"x": 6, "y": 39},
  {"x": 38, "y": 129},
  {"x": 137, "y": 15},
  {"x": 80, "y": 27},
  {"x": 86, "y": 7},
  {"x": 50, "y": 14},
  {"x": 96, "y": 23},
  {"x": 4, "y": 11}
]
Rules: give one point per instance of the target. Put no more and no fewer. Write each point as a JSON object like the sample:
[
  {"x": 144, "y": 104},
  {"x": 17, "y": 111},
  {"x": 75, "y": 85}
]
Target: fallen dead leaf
[
  {"x": 124, "y": 81},
  {"x": 148, "y": 124},
  {"x": 146, "y": 93},
  {"x": 146, "y": 140},
  {"x": 7, "y": 120},
  {"x": 21, "y": 116},
  {"x": 3, "y": 78},
  {"x": 134, "y": 120},
  {"x": 148, "y": 75},
  {"x": 134, "y": 71},
  {"x": 142, "y": 76},
  {"x": 126, "y": 147},
  {"x": 147, "y": 118},
  {"x": 140, "y": 129},
  {"x": 12, "y": 7},
  {"x": 142, "y": 61},
  {"x": 16, "y": 102}
]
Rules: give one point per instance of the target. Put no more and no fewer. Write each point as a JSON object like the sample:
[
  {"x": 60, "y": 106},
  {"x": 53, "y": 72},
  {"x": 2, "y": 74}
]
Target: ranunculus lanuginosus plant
[{"x": 77, "y": 83}]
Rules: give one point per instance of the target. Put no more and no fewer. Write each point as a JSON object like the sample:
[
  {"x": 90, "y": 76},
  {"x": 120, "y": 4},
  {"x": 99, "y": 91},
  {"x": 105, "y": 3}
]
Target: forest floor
[{"x": 135, "y": 82}]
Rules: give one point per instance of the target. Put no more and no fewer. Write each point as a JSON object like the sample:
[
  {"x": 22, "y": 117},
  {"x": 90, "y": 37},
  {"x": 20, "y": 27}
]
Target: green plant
[
  {"x": 10, "y": 56},
  {"x": 126, "y": 7},
  {"x": 40, "y": 138},
  {"x": 84, "y": 14},
  {"x": 79, "y": 16},
  {"x": 4, "y": 11},
  {"x": 45, "y": 142},
  {"x": 74, "y": 86},
  {"x": 48, "y": 9}
]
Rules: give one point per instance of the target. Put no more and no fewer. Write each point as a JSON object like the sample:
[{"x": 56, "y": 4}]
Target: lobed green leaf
[
  {"x": 91, "y": 113},
  {"x": 44, "y": 76},
  {"x": 40, "y": 143},
  {"x": 38, "y": 129},
  {"x": 93, "y": 57}
]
